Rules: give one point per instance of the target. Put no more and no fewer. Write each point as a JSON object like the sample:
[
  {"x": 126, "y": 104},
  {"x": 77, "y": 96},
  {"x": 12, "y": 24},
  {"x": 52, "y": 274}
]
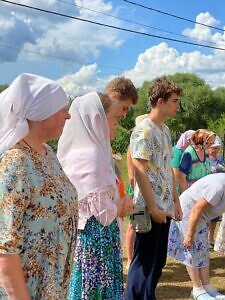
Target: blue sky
[{"x": 84, "y": 57}]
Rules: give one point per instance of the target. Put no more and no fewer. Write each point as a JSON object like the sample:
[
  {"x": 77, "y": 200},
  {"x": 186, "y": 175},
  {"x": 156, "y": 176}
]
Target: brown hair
[
  {"x": 106, "y": 101},
  {"x": 162, "y": 87},
  {"x": 201, "y": 136},
  {"x": 124, "y": 87}
]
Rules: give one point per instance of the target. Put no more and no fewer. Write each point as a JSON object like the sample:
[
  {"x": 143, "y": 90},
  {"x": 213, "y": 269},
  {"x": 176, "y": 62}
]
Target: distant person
[
  {"x": 86, "y": 159},
  {"x": 38, "y": 216},
  {"x": 188, "y": 239},
  {"x": 217, "y": 165},
  {"x": 151, "y": 149}
]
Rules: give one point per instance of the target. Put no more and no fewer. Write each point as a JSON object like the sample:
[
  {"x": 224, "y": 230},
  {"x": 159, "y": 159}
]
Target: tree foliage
[
  {"x": 202, "y": 107},
  {"x": 3, "y": 87}
]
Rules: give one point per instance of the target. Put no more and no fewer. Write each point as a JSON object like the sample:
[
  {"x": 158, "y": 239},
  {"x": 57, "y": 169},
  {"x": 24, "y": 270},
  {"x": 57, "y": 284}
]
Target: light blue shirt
[{"x": 212, "y": 189}]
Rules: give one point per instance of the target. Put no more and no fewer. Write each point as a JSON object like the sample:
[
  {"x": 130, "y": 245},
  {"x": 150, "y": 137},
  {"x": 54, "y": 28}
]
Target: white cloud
[
  {"x": 155, "y": 61},
  {"x": 205, "y": 34},
  {"x": 85, "y": 80},
  {"x": 61, "y": 36},
  {"x": 162, "y": 59}
]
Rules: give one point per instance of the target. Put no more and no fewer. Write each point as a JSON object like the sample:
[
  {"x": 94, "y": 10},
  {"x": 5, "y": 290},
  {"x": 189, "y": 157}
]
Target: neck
[
  {"x": 212, "y": 156},
  {"x": 156, "y": 117},
  {"x": 35, "y": 143}
]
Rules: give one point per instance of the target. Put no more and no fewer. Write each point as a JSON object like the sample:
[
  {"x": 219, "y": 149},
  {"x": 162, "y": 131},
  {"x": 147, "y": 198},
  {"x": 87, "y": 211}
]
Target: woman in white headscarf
[
  {"x": 85, "y": 154},
  {"x": 38, "y": 207}
]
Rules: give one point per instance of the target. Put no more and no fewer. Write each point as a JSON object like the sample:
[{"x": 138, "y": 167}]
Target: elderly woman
[
  {"x": 188, "y": 239},
  {"x": 86, "y": 159},
  {"x": 194, "y": 163},
  {"x": 38, "y": 206}
]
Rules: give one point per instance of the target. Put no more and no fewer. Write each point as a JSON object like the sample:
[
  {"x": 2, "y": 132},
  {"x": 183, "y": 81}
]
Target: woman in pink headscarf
[
  {"x": 183, "y": 142},
  {"x": 85, "y": 154}
]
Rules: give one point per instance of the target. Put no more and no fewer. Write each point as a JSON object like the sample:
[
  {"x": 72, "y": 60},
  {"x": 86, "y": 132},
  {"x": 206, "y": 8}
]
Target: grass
[{"x": 175, "y": 283}]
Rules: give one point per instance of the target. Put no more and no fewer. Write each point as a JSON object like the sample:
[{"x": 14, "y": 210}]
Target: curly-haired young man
[{"x": 151, "y": 150}]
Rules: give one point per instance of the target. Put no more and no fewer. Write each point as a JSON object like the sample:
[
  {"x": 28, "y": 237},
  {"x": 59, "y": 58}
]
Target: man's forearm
[{"x": 12, "y": 277}]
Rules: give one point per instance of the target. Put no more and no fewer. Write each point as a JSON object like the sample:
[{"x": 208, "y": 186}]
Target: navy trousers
[{"x": 150, "y": 252}]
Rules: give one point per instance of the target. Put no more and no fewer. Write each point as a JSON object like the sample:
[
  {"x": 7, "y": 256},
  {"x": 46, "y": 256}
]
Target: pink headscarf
[
  {"x": 184, "y": 138},
  {"x": 84, "y": 149}
]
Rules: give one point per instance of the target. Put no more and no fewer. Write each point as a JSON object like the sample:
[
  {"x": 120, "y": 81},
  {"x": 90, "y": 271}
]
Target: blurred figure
[
  {"x": 220, "y": 237},
  {"x": 86, "y": 158},
  {"x": 217, "y": 163},
  {"x": 38, "y": 216},
  {"x": 217, "y": 166},
  {"x": 130, "y": 233}
]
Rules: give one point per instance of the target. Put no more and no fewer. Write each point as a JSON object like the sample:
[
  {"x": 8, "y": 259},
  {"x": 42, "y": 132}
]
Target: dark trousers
[{"x": 150, "y": 252}]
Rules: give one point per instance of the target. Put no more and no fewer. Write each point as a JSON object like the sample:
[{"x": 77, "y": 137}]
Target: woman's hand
[
  {"x": 127, "y": 206},
  {"x": 178, "y": 214},
  {"x": 188, "y": 241}
]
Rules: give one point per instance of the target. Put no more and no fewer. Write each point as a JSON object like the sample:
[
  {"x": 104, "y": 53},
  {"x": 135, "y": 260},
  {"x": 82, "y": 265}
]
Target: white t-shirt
[
  {"x": 212, "y": 189},
  {"x": 150, "y": 143}
]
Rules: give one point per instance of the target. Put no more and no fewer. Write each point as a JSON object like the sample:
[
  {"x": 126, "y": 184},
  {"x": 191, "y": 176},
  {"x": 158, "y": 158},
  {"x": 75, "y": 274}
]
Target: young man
[
  {"x": 123, "y": 94},
  {"x": 151, "y": 150}
]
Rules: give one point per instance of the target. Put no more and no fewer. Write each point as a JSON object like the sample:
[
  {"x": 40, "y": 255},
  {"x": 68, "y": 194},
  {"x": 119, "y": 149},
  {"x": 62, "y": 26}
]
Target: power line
[
  {"x": 112, "y": 26},
  {"x": 172, "y": 15},
  {"x": 137, "y": 23},
  {"x": 65, "y": 59}
]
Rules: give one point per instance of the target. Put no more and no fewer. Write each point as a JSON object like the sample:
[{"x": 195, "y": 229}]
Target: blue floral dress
[
  {"x": 97, "y": 272},
  {"x": 38, "y": 220}
]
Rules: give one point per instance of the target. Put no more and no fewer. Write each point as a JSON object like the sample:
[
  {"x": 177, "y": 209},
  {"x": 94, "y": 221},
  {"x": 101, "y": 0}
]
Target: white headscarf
[
  {"x": 29, "y": 97},
  {"x": 84, "y": 149}
]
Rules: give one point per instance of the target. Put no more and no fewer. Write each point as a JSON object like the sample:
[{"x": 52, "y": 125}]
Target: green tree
[
  {"x": 3, "y": 87},
  {"x": 198, "y": 102}
]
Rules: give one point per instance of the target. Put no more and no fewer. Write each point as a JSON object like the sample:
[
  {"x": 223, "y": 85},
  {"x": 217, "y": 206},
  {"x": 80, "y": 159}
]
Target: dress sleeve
[
  {"x": 14, "y": 199},
  {"x": 102, "y": 206},
  {"x": 185, "y": 163},
  {"x": 176, "y": 156}
]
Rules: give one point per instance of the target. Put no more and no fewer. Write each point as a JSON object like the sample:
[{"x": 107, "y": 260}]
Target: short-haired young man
[
  {"x": 123, "y": 94},
  {"x": 151, "y": 150}
]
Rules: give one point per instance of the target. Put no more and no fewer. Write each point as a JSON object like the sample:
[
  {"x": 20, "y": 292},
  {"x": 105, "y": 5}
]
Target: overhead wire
[
  {"x": 137, "y": 23},
  {"x": 65, "y": 59},
  {"x": 112, "y": 26},
  {"x": 172, "y": 15}
]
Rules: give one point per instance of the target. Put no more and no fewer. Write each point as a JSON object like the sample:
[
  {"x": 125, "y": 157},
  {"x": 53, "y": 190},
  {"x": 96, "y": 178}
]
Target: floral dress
[
  {"x": 97, "y": 272},
  {"x": 38, "y": 219}
]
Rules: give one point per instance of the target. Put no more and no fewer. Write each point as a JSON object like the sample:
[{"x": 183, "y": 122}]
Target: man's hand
[{"x": 158, "y": 215}]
